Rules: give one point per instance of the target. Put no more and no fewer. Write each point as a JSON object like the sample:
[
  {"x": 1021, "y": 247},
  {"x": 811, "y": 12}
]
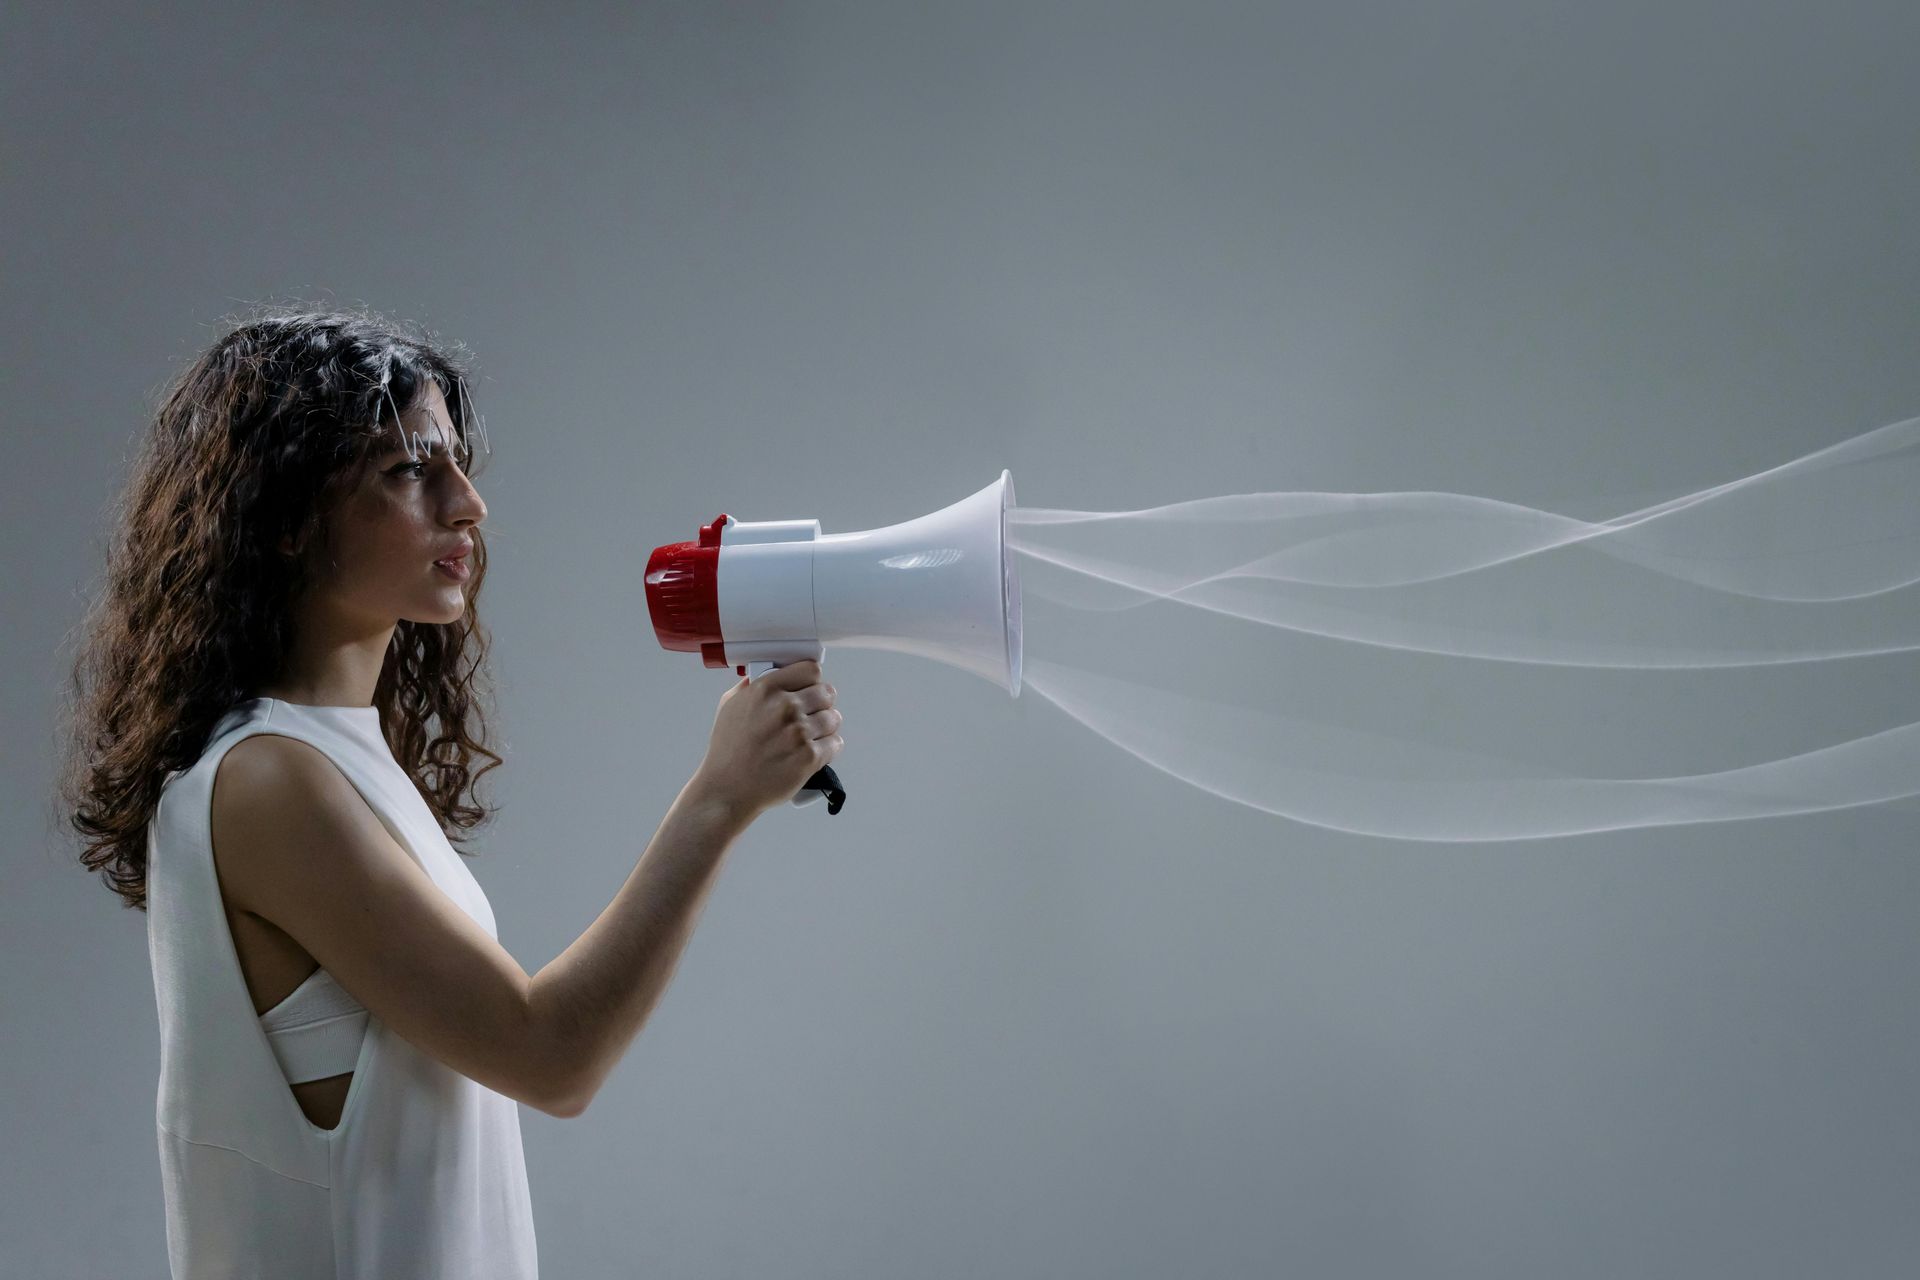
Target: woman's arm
[
  {"x": 295, "y": 844},
  {"x": 591, "y": 1000}
]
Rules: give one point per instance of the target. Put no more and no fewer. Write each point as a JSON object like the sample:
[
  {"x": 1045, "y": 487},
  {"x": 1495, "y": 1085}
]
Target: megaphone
[{"x": 754, "y": 595}]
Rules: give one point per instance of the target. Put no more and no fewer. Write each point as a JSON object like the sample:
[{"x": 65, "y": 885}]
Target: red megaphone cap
[{"x": 683, "y": 597}]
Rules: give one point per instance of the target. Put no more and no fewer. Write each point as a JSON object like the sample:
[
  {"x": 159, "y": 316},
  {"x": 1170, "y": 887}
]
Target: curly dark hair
[{"x": 258, "y": 438}]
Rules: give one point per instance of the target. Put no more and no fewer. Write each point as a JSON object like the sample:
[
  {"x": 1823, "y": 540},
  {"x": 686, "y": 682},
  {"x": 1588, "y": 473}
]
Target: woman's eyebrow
[{"x": 432, "y": 445}]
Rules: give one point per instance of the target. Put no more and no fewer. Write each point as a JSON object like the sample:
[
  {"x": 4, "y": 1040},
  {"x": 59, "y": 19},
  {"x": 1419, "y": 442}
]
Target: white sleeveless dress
[{"x": 424, "y": 1175}]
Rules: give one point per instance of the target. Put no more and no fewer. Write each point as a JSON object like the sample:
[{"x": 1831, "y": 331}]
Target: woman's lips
[{"x": 455, "y": 569}]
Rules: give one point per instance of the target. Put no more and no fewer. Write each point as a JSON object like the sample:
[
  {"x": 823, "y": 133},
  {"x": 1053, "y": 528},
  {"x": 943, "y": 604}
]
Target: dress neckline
[{"x": 360, "y": 715}]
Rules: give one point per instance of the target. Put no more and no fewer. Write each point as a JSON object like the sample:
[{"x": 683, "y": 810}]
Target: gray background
[{"x": 1026, "y": 1007}]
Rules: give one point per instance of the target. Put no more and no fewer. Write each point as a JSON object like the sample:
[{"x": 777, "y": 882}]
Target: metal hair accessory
[
  {"x": 408, "y": 439},
  {"x": 467, "y": 416},
  {"x": 413, "y": 441}
]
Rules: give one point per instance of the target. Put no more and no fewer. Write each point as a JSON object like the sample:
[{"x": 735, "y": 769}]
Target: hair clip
[{"x": 467, "y": 416}]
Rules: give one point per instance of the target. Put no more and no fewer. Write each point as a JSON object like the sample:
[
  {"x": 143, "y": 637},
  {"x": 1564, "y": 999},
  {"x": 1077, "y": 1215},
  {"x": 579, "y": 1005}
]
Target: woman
[{"x": 275, "y": 732}]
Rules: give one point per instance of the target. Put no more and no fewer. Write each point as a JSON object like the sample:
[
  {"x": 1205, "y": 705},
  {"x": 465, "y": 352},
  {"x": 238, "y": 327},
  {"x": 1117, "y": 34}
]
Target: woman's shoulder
[
  {"x": 270, "y": 773},
  {"x": 263, "y": 787}
]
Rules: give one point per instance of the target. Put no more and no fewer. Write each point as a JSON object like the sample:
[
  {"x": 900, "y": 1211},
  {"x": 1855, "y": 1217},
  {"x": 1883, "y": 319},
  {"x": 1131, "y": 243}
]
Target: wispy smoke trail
[
  {"x": 1371, "y": 784},
  {"x": 1809, "y": 561},
  {"x": 1805, "y": 562}
]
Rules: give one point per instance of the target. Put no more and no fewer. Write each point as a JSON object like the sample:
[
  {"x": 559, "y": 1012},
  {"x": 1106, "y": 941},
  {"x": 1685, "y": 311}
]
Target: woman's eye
[{"x": 418, "y": 468}]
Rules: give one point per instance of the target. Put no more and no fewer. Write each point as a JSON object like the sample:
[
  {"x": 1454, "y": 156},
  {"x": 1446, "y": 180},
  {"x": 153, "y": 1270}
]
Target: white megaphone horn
[{"x": 753, "y": 595}]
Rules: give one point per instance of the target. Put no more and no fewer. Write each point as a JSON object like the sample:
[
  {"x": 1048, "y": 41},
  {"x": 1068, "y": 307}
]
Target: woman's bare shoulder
[{"x": 266, "y": 787}]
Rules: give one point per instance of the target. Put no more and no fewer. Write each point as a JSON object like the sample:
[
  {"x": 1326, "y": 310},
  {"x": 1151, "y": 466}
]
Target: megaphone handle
[{"x": 824, "y": 781}]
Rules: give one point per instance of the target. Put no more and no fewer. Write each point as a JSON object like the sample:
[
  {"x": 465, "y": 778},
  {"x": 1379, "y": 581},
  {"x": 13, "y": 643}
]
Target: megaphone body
[{"x": 756, "y": 595}]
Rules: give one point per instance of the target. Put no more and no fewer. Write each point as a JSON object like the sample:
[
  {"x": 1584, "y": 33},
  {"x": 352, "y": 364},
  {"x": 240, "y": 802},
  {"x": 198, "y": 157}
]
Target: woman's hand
[{"x": 770, "y": 735}]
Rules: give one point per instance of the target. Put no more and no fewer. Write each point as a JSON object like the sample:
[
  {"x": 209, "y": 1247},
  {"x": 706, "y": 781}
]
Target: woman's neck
[{"x": 333, "y": 662}]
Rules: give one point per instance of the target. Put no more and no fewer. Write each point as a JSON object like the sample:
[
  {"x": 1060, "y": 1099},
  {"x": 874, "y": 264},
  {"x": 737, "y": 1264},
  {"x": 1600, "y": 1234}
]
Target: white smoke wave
[
  {"x": 1809, "y": 561},
  {"x": 1805, "y": 562}
]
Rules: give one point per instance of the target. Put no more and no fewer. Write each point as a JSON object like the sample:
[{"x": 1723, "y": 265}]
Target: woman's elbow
[{"x": 567, "y": 1097}]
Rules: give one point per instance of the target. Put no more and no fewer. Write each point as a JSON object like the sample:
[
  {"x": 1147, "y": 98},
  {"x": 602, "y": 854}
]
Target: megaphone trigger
[{"x": 827, "y": 782}]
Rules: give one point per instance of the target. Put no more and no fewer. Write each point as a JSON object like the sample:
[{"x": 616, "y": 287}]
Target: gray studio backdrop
[{"x": 1027, "y": 1007}]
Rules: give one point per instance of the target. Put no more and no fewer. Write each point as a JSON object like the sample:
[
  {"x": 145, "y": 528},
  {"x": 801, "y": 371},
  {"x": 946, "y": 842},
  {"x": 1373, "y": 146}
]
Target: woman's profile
[{"x": 277, "y": 728}]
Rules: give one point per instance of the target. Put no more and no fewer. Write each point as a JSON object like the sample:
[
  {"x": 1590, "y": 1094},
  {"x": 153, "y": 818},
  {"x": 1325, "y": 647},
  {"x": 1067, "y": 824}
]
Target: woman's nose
[{"x": 468, "y": 504}]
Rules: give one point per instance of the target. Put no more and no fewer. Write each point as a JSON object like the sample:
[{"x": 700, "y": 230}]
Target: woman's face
[{"x": 406, "y": 514}]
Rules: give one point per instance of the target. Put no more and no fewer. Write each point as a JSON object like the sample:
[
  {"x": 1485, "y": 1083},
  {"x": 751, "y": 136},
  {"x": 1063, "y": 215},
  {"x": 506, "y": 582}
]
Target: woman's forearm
[{"x": 591, "y": 1000}]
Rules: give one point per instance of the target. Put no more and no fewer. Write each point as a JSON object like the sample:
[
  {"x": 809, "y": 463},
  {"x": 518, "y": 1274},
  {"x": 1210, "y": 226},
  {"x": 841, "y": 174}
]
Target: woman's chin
[{"x": 441, "y": 612}]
